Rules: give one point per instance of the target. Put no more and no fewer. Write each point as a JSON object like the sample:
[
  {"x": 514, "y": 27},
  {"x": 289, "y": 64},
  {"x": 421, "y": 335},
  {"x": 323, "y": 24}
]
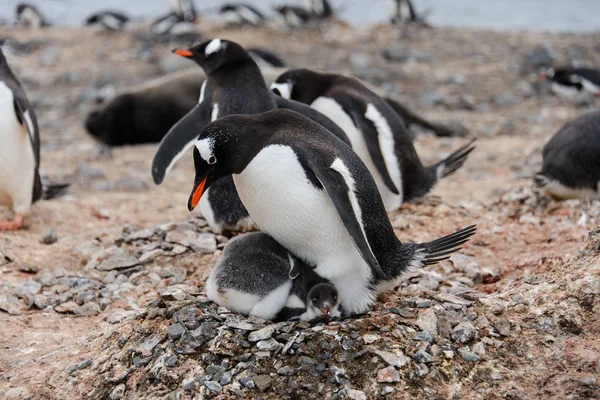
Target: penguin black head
[
  {"x": 214, "y": 54},
  {"x": 302, "y": 85},
  {"x": 323, "y": 299},
  {"x": 94, "y": 19}
]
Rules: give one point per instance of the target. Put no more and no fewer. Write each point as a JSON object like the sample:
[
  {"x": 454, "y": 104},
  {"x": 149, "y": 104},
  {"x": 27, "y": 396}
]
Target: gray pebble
[
  {"x": 28, "y": 287},
  {"x": 171, "y": 361},
  {"x": 468, "y": 356},
  {"x": 214, "y": 387},
  {"x": 225, "y": 378},
  {"x": 269, "y": 345},
  {"x": 464, "y": 332},
  {"x": 285, "y": 370},
  {"x": 49, "y": 237},
  {"x": 262, "y": 382},
  {"x": 175, "y": 331},
  {"x": 422, "y": 356},
  {"x": 421, "y": 370},
  {"x": 262, "y": 334}
]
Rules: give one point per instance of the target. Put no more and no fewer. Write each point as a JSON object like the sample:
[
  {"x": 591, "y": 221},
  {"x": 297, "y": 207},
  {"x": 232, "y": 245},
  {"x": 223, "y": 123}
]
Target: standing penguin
[
  {"x": 401, "y": 12},
  {"x": 29, "y": 16},
  {"x": 233, "y": 85},
  {"x": 571, "y": 166},
  {"x": 573, "y": 82},
  {"x": 20, "y": 183},
  {"x": 311, "y": 193},
  {"x": 319, "y": 8},
  {"x": 240, "y": 14},
  {"x": 375, "y": 130},
  {"x": 294, "y": 17},
  {"x": 253, "y": 278},
  {"x": 109, "y": 20},
  {"x": 184, "y": 9}
]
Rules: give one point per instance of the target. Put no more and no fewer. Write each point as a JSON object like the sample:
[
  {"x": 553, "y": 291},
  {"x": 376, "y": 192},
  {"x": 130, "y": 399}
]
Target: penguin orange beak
[
  {"x": 197, "y": 194},
  {"x": 183, "y": 52},
  {"x": 326, "y": 309}
]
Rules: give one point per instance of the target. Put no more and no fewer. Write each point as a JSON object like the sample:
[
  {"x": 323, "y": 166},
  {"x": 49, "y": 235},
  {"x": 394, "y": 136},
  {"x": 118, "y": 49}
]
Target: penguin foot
[{"x": 13, "y": 225}]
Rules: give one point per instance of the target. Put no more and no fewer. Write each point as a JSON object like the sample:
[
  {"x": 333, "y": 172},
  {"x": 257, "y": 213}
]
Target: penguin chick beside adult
[
  {"x": 109, "y": 20},
  {"x": 29, "y": 16},
  {"x": 573, "y": 83},
  {"x": 253, "y": 278},
  {"x": 375, "y": 130},
  {"x": 571, "y": 165},
  {"x": 310, "y": 192},
  {"x": 20, "y": 182},
  {"x": 234, "y": 85}
]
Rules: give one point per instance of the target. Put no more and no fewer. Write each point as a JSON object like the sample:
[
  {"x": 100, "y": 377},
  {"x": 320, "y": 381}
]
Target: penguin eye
[
  {"x": 314, "y": 300},
  {"x": 277, "y": 92},
  {"x": 212, "y": 160}
]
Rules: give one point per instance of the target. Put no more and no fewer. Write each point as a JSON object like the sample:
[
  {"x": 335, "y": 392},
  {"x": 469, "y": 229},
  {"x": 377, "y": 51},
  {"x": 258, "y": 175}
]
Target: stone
[
  {"x": 118, "y": 260},
  {"x": 262, "y": 382},
  {"x": 85, "y": 297},
  {"x": 503, "y": 327},
  {"x": 68, "y": 307},
  {"x": 286, "y": 371},
  {"x": 178, "y": 292},
  {"x": 146, "y": 348},
  {"x": 428, "y": 321},
  {"x": 388, "y": 375},
  {"x": 421, "y": 370},
  {"x": 463, "y": 332},
  {"x": 449, "y": 354},
  {"x": 28, "y": 287},
  {"x": 17, "y": 393},
  {"x": 262, "y": 334},
  {"x": 203, "y": 243},
  {"x": 175, "y": 331},
  {"x": 46, "y": 278},
  {"x": 479, "y": 349},
  {"x": 150, "y": 255},
  {"x": 84, "y": 364},
  {"x": 450, "y": 298},
  {"x": 541, "y": 57},
  {"x": 356, "y": 394},
  {"x": 88, "y": 309},
  {"x": 40, "y": 301},
  {"x": 269, "y": 345},
  {"x": 370, "y": 338},
  {"x": 468, "y": 356},
  {"x": 171, "y": 361},
  {"x": 421, "y": 356},
  {"x": 49, "y": 237},
  {"x": 214, "y": 387},
  {"x": 387, "y": 390},
  {"x": 118, "y": 392},
  {"x": 395, "y": 358},
  {"x": 119, "y": 316}
]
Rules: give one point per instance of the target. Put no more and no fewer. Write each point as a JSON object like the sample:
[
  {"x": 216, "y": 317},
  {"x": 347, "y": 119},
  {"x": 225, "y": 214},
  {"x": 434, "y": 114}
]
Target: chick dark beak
[
  {"x": 326, "y": 309},
  {"x": 183, "y": 53}
]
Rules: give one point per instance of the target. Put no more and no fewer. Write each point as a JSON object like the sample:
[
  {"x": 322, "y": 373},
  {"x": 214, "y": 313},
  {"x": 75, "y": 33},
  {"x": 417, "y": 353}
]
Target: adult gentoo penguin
[
  {"x": 184, "y": 8},
  {"x": 401, "y": 11},
  {"x": 234, "y": 85},
  {"x": 252, "y": 278},
  {"x": 20, "y": 183},
  {"x": 573, "y": 82},
  {"x": 294, "y": 17},
  {"x": 311, "y": 193},
  {"x": 375, "y": 130},
  {"x": 109, "y": 20},
  {"x": 29, "y": 16},
  {"x": 319, "y": 8},
  {"x": 571, "y": 166},
  {"x": 240, "y": 14}
]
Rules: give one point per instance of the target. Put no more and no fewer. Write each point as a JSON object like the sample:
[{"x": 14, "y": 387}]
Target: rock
[
  {"x": 49, "y": 56},
  {"x": 503, "y": 327},
  {"x": 286, "y": 371},
  {"x": 421, "y": 356},
  {"x": 450, "y": 298},
  {"x": 186, "y": 314},
  {"x": 171, "y": 361},
  {"x": 397, "y": 53},
  {"x": 84, "y": 364},
  {"x": 178, "y": 292},
  {"x": 247, "y": 381},
  {"x": 206, "y": 330},
  {"x": 356, "y": 394},
  {"x": 41, "y": 301},
  {"x": 463, "y": 332},
  {"x": 46, "y": 278},
  {"x": 428, "y": 321},
  {"x": 431, "y": 98},
  {"x": 359, "y": 60},
  {"x": 395, "y": 358},
  {"x": 49, "y": 237},
  {"x": 131, "y": 184},
  {"x": 468, "y": 356},
  {"x": 150, "y": 255},
  {"x": 145, "y": 348},
  {"x": 28, "y": 287},
  {"x": 243, "y": 325},
  {"x": 118, "y": 392},
  {"x": 422, "y": 303},
  {"x": 17, "y": 393},
  {"x": 424, "y": 336},
  {"x": 421, "y": 370},
  {"x": 262, "y": 382},
  {"x": 88, "y": 309},
  {"x": 262, "y": 334},
  {"x": 479, "y": 349},
  {"x": 387, "y": 390},
  {"x": 506, "y": 99},
  {"x": 85, "y": 297},
  {"x": 119, "y": 316},
  {"x": 449, "y": 354},
  {"x": 203, "y": 243},
  {"x": 175, "y": 331},
  {"x": 269, "y": 345},
  {"x": 214, "y": 387},
  {"x": 540, "y": 57},
  {"x": 68, "y": 307},
  {"x": 90, "y": 172},
  {"x": 388, "y": 375},
  {"x": 118, "y": 260},
  {"x": 226, "y": 378},
  {"x": 370, "y": 338}
]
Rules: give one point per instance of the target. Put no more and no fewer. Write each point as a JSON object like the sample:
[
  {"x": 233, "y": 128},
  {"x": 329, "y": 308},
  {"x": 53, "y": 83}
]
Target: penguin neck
[{"x": 240, "y": 72}]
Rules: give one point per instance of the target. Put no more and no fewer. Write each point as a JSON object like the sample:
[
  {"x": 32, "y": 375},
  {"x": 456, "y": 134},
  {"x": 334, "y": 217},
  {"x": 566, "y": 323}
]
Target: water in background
[{"x": 534, "y": 15}]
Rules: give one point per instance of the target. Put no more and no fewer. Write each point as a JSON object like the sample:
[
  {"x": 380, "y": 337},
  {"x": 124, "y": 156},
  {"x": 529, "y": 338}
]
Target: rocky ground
[{"x": 102, "y": 297}]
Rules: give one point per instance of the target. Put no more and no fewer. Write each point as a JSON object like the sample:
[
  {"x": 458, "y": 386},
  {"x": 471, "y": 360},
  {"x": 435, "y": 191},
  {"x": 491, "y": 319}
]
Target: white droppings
[
  {"x": 285, "y": 89},
  {"x": 214, "y": 46}
]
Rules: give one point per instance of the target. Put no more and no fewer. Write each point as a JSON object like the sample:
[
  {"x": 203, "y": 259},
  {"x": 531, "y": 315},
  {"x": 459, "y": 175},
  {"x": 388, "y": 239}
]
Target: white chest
[{"x": 336, "y": 113}]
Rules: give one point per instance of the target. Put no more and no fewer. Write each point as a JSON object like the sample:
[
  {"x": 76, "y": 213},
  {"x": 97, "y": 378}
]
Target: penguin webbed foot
[{"x": 15, "y": 224}]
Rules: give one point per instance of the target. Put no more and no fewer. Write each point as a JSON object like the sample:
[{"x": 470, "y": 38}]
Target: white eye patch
[
  {"x": 285, "y": 89},
  {"x": 205, "y": 147},
  {"x": 214, "y": 46}
]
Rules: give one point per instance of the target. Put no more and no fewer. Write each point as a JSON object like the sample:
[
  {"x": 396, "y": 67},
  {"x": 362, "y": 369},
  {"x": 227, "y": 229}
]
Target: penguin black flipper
[
  {"x": 313, "y": 114},
  {"x": 338, "y": 184},
  {"x": 369, "y": 131},
  {"x": 180, "y": 138}
]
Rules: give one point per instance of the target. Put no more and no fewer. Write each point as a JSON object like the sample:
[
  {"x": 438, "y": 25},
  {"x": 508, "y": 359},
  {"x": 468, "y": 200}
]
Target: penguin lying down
[
  {"x": 257, "y": 276},
  {"x": 571, "y": 166},
  {"x": 145, "y": 113},
  {"x": 20, "y": 181}
]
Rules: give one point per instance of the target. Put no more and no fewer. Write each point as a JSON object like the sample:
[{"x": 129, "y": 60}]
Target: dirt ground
[{"x": 519, "y": 235}]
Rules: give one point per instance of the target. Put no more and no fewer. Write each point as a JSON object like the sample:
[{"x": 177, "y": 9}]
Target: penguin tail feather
[
  {"x": 540, "y": 181},
  {"x": 440, "y": 249},
  {"x": 54, "y": 190},
  {"x": 454, "y": 161}
]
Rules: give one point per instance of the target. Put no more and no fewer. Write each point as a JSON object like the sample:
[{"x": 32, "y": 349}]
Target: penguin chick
[
  {"x": 571, "y": 160},
  {"x": 252, "y": 278},
  {"x": 310, "y": 192},
  {"x": 376, "y": 132}
]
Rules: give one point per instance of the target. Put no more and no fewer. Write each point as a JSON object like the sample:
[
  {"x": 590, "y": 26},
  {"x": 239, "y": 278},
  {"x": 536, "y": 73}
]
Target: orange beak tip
[
  {"x": 197, "y": 195},
  {"x": 182, "y": 52}
]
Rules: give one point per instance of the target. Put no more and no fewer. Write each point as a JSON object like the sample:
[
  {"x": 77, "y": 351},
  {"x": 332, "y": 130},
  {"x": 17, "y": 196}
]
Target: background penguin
[
  {"x": 401, "y": 12},
  {"x": 573, "y": 82},
  {"x": 20, "y": 183},
  {"x": 29, "y": 16},
  {"x": 109, "y": 20},
  {"x": 184, "y": 9},
  {"x": 375, "y": 130},
  {"x": 240, "y": 14},
  {"x": 311, "y": 193},
  {"x": 319, "y": 8},
  {"x": 265, "y": 58},
  {"x": 294, "y": 17},
  {"x": 234, "y": 85},
  {"x": 571, "y": 166},
  {"x": 252, "y": 278}
]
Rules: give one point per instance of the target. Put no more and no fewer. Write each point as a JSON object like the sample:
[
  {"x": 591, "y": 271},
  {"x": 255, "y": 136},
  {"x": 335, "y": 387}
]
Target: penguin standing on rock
[
  {"x": 20, "y": 183},
  {"x": 375, "y": 130},
  {"x": 571, "y": 166},
  {"x": 311, "y": 193},
  {"x": 29, "y": 16},
  {"x": 253, "y": 278},
  {"x": 234, "y": 85}
]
